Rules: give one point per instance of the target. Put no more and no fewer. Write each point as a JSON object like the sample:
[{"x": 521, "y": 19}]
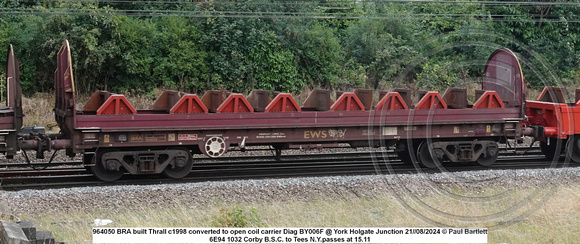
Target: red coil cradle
[
  {"x": 188, "y": 104},
  {"x": 431, "y": 100},
  {"x": 489, "y": 99},
  {"x": 235, "y": 103},
  {"x": 116, "y": 104},
  {"x": 283, "y": 102},
  {"x": 348, "y": 101},
  {"x": 391, "y": 101}
]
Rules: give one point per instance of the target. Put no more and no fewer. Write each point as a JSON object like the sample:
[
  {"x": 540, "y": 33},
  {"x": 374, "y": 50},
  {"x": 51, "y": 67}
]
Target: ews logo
[
  {"x": 316, "y": 134},
  {"x": 323, "y": 134}
]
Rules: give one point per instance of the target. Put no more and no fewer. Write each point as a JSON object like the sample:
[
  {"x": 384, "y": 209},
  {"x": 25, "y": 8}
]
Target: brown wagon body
[{"x": 116, "y": 138}]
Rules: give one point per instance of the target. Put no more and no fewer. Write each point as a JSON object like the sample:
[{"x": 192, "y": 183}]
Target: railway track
[{"x": 232, "y": 168}]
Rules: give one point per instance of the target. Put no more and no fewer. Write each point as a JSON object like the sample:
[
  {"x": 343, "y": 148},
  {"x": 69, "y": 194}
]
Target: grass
[
  {"x": 554, "y": 221},
  {"x": 38, "y": 111}
]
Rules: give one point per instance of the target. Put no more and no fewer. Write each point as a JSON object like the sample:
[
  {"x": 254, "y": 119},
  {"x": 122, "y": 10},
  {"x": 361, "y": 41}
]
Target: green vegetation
[
  {"x": 278, "y": 45},
  {"x": 554, "y": 221},
  {"x": 237, "y": 217}
]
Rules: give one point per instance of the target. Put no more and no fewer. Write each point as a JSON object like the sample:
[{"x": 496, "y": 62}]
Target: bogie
[
  {"x": 181, "y": 164},
  {"x": 427, "y": 156},
  {"x": 489, "y": 154},
  {"x": 106, "y": 169},
  {"x": 432, "y": 154}
]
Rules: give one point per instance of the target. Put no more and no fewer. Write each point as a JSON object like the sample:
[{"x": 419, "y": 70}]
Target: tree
[{"x": 318, "y": 53}]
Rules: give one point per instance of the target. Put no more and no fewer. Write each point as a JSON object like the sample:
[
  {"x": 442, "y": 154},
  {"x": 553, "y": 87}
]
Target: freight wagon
[{"x": 115, "y": 138}]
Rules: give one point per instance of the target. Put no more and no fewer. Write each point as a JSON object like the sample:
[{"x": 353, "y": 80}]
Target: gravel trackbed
[{"x": 32, "y": 202}]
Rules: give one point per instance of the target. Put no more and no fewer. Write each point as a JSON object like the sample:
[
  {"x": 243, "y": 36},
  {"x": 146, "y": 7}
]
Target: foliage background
[{"x": 284, "y": 46}]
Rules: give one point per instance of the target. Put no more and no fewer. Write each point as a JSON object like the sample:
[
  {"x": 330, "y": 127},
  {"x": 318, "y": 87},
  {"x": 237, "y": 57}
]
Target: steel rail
[{"x": 228, "y": 170}]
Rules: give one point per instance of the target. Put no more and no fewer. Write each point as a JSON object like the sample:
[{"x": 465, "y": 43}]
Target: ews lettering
[{"x": 315, "y": 134}]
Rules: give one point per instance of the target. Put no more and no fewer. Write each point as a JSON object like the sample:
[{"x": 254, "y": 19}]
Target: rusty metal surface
[
  {"x": 503, "y": 74},
  {"x": 366, "y": 97},
  {"x": 478, "y": 94},
  {"x": 259, "y": 99},
  {"x": 212, "y": 99},
  {"x": 420, "y": 94},
  {"x": 96, "y": 100},
  {"x": 64, "y": 90},
  {"x": 318, "y": 100},
  {"x": 13, "y": 89},
  {"x": 455, "y": 97},
  {"x": 11, "y": 115},
  {"x": 7, "y": 123},
  {"x": 166, "y": 100}
]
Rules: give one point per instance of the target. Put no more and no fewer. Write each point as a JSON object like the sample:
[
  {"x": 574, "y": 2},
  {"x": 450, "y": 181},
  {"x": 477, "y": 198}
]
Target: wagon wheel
[
  {"x": 553, "y": 150},
  {"x": 180, "y": 167},
  {"x": 425, "y": 157},
  {"x": 106, "y": 173},
  {"x": 489, "y": 156},
  {"x": 573, "y": 148}
]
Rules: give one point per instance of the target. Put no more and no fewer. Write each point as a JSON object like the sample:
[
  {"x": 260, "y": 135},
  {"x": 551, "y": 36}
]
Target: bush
[{"x": 237, "y": 217}]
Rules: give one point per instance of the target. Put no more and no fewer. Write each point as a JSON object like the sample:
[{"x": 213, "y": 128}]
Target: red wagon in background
[{"x": 557, "y": 121}]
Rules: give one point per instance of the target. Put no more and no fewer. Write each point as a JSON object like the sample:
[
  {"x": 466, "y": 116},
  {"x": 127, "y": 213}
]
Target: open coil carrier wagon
[{"x": 115, "y": 138}]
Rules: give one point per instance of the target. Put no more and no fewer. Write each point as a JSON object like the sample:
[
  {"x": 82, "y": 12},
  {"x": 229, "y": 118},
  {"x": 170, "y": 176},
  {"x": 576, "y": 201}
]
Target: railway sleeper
[{"x": 144, "y": 162}]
